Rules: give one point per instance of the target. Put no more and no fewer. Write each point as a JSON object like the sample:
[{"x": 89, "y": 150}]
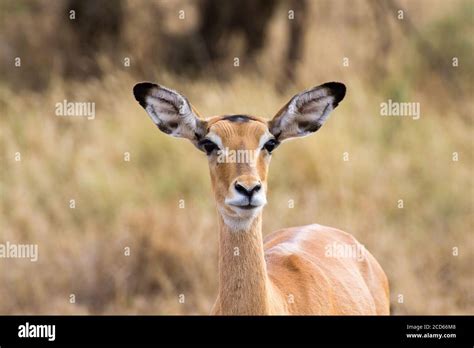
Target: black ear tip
[
  {"x": 141, "y": 90},
  {"x": 338, "y": 89}
]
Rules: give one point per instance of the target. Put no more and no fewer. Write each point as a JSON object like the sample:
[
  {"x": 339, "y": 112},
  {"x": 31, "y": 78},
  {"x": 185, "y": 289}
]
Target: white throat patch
[{"x": 238, "y": 224}]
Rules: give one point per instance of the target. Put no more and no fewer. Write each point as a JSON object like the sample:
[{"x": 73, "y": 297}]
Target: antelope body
[{"x": 290, "y": 272}]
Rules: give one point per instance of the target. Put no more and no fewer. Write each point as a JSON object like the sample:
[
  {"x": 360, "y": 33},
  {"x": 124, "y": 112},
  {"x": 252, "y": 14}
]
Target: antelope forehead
[{"x": 248, "y": 135}]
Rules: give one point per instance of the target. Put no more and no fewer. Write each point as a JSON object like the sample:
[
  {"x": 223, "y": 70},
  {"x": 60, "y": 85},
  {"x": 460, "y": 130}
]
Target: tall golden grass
[{"x": 136, "y": 204}]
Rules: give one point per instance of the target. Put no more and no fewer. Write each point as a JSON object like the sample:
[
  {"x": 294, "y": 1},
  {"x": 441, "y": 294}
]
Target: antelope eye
[
  {"x": 208, "y": 146},
  {"x": 270, "y": 145}
]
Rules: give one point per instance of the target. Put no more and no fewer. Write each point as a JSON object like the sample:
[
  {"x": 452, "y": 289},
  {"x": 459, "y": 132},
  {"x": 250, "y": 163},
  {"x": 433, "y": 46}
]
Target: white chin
[{"x": 241, "y": 219}]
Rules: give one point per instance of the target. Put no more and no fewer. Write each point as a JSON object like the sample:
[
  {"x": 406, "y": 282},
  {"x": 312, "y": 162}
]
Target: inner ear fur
[
  {"x": 170, "y": 111},
  {"x": 307, "y": 111}
]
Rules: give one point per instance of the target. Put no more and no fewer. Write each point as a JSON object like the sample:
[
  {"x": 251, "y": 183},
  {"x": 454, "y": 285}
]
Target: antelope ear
[
  {"x": 170, "y": 111},
  {"x": 306, "y": 112}
]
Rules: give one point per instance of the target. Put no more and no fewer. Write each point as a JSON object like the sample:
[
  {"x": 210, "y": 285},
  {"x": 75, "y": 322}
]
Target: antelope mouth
[{"x": 246, "y": 206}]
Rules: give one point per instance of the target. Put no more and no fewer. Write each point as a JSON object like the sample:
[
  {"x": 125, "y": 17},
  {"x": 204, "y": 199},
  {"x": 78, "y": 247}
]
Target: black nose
[{"x": 247, "y": 191}]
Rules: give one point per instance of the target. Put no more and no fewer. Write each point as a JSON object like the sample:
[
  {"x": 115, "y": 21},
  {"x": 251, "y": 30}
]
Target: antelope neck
[{"x": 243, "y": 281}]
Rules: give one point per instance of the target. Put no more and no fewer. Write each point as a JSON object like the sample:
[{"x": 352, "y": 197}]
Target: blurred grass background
[{"x": 135, "y": 204}]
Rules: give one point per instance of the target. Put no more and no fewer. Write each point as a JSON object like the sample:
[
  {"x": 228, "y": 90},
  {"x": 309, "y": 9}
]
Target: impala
[{"x": 290, "y": 271}]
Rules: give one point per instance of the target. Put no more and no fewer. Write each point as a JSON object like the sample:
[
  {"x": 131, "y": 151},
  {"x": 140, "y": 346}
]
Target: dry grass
[{"x": 135, "y": 204}]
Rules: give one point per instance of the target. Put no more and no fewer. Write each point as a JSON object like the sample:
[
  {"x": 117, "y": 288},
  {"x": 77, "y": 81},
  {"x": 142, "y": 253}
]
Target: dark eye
[
  {"x": 270, "y": 145},
  {"x": 208, "y": 146}
]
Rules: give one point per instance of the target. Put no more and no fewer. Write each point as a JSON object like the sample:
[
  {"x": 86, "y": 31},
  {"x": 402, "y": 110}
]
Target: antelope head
[{"x": 239, "y": 147}]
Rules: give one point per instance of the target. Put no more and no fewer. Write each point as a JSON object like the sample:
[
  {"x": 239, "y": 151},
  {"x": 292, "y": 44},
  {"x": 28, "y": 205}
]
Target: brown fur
[{"x": 265, "y": 280}]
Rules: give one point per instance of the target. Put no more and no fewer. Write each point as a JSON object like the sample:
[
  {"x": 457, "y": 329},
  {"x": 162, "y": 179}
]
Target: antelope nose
[{"x": 247, "y": 190}]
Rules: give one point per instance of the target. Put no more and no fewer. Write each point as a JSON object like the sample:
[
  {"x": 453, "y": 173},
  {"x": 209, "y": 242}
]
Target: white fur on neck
[{"x": 239, "y": 224}]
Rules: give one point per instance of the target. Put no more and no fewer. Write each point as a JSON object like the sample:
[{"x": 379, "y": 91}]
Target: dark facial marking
[{"x": 238, "y": 118}]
